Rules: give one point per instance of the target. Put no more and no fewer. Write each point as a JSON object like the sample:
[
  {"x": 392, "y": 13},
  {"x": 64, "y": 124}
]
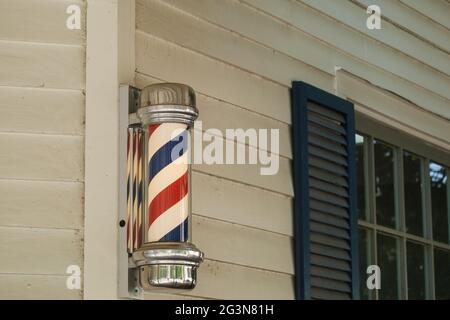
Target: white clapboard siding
[
  {"x": 168, "y": 296},
  {"x": 42, "y": 116},
  {"x": 243, "y": 245},
  {"x": 39, "y": 251},
  {"x": 39, "y": 21},
  {"x": 41, "y": 110},
  {"x": 392, "y": 107},
  {"x": 220, "y": 280},
  {"x": 251, "y": 174},
  {"x": 283, "y": 37},
  {"x": 156, "y": 18},
  {"x": 226, "y": 200},
  {"x": 358, "y": 40},
  {"x": 437, "y": 10},
  {"x": 413, "y": 21},
  {"x": 44, "y": 204},
  {"x": 248, "y": 254},
  {"x": 46, "y": 157},
  {"x": 25, "y": 64},
  {"x": 36, "y": 287},
  {"x": 211, "y": 77},
  {"x": 220, "y": 115}
]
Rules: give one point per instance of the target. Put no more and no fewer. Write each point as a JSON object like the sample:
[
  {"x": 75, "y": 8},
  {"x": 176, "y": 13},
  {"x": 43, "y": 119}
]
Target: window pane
[
  {"x": 442, "y": 274},
  {"x": 388, "y": 260},
  {"x": 360, "y": 175},
  {"x": 415, "y": 256},
  {"x": 413, "y": 193},
  {"x": 439, "y": 202},
  {"x": 364, "y": 261},
  {"x": 384, "y": 184}
]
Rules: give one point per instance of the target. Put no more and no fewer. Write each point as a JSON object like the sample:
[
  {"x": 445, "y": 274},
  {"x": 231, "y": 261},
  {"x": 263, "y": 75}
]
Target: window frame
[{"x": 373, "y": 130}]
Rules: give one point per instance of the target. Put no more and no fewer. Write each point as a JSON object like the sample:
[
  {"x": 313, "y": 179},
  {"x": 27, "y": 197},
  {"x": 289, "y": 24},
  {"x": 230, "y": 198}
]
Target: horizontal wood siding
[
  {"x": 397, "y": 73},
  {"x": 241, "y": 57},
  {"x": 42, "y": 77},
  {"x": 36, "y": 287}
]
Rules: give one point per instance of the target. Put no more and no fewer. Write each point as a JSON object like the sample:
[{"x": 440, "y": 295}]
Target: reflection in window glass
[
  {"x": 439, "y": 204},
  {"x": 387, "y": 255},
  {"x": 360, "y": 175},
  {"x": 364, "y": 262},
  {"x": 442, "y": 274},
  {"x": 384, "y": 184},
  {"x": 413, "y": 193},
  {"x": 415, "y": 256}
]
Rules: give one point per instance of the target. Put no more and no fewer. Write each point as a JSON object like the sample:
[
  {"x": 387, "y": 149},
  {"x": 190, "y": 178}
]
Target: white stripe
[
  {"x": 163, "y": 134},
  {"x": 167, "y": 176},
  {"x": 169, "y": 220}
]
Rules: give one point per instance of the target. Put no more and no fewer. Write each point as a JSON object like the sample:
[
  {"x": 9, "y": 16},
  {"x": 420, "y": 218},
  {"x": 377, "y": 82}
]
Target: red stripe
[
  {"x": 168, "y": 197},
  {"x": 152, "y": 128}
]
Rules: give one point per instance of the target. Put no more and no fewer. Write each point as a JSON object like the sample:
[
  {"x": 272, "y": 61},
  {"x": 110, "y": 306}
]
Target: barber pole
[
  {"x": 168, "y": 188},
  {"x": 166, "y": 257}
]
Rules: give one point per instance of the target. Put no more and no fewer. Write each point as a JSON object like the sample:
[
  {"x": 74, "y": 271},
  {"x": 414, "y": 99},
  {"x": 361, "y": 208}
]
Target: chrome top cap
[
  {"x": 167, "y": 94},
  {"x": 167, "y": 102}
]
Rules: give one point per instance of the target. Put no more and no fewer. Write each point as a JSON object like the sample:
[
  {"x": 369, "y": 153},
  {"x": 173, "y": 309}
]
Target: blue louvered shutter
[{"x": 325, "y": 221}]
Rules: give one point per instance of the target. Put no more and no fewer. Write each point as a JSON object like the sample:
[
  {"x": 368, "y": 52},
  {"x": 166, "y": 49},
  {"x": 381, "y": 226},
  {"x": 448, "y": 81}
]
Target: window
[
  {"x": 385, "y": 192},
  {"x": 403, "y": 209},
  {"x": 413, "y": 184},
  {"x": 394, "y": 185},
  {"x": 439, "y": 201}
]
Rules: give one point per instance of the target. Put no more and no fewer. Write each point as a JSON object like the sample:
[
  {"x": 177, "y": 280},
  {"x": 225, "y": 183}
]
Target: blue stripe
[
  {"x": 135, "y": 190},
  {"x": 163, "y": 156},
  {"x": 178, "y": 234},
  {"x": 140, "y": 193}
]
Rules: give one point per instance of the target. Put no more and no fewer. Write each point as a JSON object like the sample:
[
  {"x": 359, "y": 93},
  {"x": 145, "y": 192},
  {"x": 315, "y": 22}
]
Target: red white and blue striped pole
[
  {"x": 168, "y": 183},
  {"x": 167, "y": 257}
]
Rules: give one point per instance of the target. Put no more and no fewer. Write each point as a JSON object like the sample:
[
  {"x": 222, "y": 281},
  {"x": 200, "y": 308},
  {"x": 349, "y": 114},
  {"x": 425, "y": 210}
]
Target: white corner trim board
[{"x": 110, "y": 62}]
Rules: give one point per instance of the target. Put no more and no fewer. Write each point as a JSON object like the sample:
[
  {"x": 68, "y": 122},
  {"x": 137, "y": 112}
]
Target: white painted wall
[{"x": 42, "y": 82}]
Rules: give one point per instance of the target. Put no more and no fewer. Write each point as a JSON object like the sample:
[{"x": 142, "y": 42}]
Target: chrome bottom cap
[{"x": 167, "y": 265}]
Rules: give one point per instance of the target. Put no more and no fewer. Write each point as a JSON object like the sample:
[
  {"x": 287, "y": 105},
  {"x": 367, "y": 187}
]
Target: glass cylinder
[
  {"x": 167, "y": 258},
  {"x": 167, "y": 190},
  {"x": 167, "y": 112}
]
